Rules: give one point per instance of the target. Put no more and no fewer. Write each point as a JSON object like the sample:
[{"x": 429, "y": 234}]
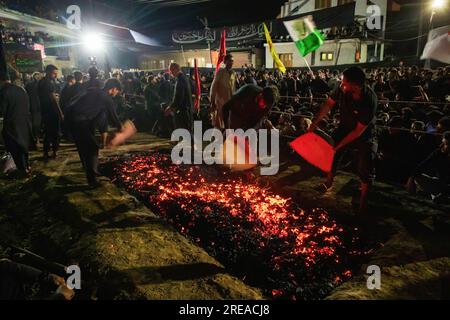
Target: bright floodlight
[
  {"x": 93, "y": 42},
  {"x": 438, "y": 4}
]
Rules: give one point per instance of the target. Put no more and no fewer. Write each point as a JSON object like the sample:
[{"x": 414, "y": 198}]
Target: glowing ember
[{"x": 258, "y": 234}]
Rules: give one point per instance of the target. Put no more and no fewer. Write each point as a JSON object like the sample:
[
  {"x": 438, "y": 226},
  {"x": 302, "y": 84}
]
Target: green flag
[{"x": 306, "y": 36}]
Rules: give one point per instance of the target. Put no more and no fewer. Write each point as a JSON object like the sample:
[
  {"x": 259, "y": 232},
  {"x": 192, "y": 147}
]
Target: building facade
[
  {"x": 26, "y": 34},
  {"x": 336, "y": 50}
]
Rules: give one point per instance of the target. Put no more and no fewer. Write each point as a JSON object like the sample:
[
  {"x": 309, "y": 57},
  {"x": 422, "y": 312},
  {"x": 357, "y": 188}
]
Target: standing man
[
  {"x": 357, "y": 105},
  {"x": 35, "y": 107},
  {"x": 66, "y": 92},
  {"x": 182, "y": 105},
  {"x": 93, "y": 110},
  {"x": 222, "y": 89},
  {"x": 94, "y": 81},
  {"x": 52, "y": 115},
  {"x": 77, "y": 88},
  {"x": 15, "y": 109}
]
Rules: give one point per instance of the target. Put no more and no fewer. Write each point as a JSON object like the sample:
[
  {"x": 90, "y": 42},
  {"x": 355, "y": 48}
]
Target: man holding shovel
[{"x": 357, "y": 104}]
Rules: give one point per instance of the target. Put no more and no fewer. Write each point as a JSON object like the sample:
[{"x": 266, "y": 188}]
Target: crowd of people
[{"x": 412, "y": 108}]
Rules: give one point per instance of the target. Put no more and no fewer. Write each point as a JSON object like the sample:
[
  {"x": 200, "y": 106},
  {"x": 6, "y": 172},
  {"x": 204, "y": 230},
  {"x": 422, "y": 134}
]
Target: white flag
[{"x": 438, "y": 45}]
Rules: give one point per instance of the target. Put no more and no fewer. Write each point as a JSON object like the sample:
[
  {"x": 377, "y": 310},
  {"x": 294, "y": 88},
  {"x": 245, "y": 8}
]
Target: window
[
  {"x": 341, "y": 2},
  {"x": 326, "y": 56},
  {"x": 287, "y": 59},
  {"x": 322, "y": 4}
]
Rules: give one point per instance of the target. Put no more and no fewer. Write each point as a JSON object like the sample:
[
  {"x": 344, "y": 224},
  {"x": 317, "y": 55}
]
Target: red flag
[
  {"x": 198, "y": 84},
  {"x": 316, "y": 150},
  {"x": 223, "y": 49}
]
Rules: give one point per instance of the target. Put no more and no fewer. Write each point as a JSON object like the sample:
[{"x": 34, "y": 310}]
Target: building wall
[
  {"x": 35, "y": 24},
  {"x": 346, "y": 56},
  {"x": 162, "y": 60},
  {"x": 310, "y": 5},
  {"x": 348, "y": 46},
  {"x": 289, "y": 48}
]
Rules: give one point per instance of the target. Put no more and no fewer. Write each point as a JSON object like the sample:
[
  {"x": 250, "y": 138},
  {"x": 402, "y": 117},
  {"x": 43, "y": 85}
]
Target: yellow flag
[{"x": 274, "y": 54}]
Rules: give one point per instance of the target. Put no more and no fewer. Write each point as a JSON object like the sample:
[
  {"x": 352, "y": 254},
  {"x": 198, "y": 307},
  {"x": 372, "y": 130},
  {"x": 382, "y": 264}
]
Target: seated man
[{"x": 438, "y": 163}]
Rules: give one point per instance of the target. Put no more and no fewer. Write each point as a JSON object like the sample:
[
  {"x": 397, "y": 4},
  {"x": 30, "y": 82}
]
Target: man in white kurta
[{"x": 222, "y": 89}]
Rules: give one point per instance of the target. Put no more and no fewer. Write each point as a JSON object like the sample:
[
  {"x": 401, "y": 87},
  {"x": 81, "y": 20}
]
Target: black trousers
[
  {"x": 184, "y": 120},
  {"x": 19, "y": 155},
  {"x": 52, "y": 131},
  {"x": 83, "y": 134},
  {"x": 364, "y": 155}
]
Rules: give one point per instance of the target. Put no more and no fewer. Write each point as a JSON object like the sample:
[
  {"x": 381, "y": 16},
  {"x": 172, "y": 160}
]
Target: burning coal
[{"x": 266, "y": 239}]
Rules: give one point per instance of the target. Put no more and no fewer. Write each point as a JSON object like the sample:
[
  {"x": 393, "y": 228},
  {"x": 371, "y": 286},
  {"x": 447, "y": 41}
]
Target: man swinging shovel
[{"x": 357, "y": 105}]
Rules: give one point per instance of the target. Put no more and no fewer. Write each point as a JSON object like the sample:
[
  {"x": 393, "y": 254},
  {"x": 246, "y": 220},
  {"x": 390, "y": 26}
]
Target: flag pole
[
  {"x": 310, "y": 70},
  {"x": 184, "y": 57}
]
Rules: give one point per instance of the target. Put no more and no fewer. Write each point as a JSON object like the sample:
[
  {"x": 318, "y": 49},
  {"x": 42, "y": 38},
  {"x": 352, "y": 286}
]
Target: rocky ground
[{"x": 127, "y": 252}]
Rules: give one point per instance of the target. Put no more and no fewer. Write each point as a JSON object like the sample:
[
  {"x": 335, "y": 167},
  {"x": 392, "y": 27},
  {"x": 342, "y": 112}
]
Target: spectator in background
[
  {"x": 395, "y": 155},
  {"x": 77, "y": 89},
  {"x": 334, "y": 82},
  {"x": 222, "y": 89},
  {"x": 433, "y": 119},
  {"x": 249, "y": 79},
  {"x": 66, "y": 92},
  {"x": 35, "y": 108},
  {"x": 285, "y": 125},
  {"x": 165, "y": 89},
  {"x": 52, "y": 114},
  {"x": 436, "y": 185},
  {"x": 15, "y": 109},
  {"x": 94, "y": 81},
  {"x": 182, "y": 105},
  {"x": 153, "y": 103}
]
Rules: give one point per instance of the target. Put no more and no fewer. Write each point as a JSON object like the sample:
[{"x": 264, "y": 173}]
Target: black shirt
[
  {"x": 94, "y": 105},
  {"x": 46, "y": 89},
  {"x": 182, "y": 99},
  {"x": 15, "y": 109},
  {"x": 439, "y": 163},
  {"x": 363, "y": 111}
]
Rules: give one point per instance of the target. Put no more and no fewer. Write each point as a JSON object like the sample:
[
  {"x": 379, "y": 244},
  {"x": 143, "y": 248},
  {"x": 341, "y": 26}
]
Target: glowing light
[
  {"x": 93, "y": 42},
  {"x": 438, "y": 4}
]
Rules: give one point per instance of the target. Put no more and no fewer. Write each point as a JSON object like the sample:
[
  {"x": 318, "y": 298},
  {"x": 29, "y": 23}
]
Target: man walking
[{"x": 92, "y": 110}]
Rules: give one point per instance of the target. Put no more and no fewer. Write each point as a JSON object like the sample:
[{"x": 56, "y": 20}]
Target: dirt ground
[{"x": 127, "y": 252}]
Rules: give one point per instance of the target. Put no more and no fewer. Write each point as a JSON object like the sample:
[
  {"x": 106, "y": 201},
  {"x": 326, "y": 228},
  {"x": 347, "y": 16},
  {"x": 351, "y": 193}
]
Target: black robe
[
  {"x": 15, "y": 108},
  {"x": 35, "y": 106}
]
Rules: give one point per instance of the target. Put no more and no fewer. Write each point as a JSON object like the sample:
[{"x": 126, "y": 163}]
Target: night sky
[
  {"x": 148, "y": 18},
  {"x": 157, "y": 19}
]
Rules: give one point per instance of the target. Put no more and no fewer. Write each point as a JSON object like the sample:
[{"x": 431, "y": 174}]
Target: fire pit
[{"x": 264, "y": 238}]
